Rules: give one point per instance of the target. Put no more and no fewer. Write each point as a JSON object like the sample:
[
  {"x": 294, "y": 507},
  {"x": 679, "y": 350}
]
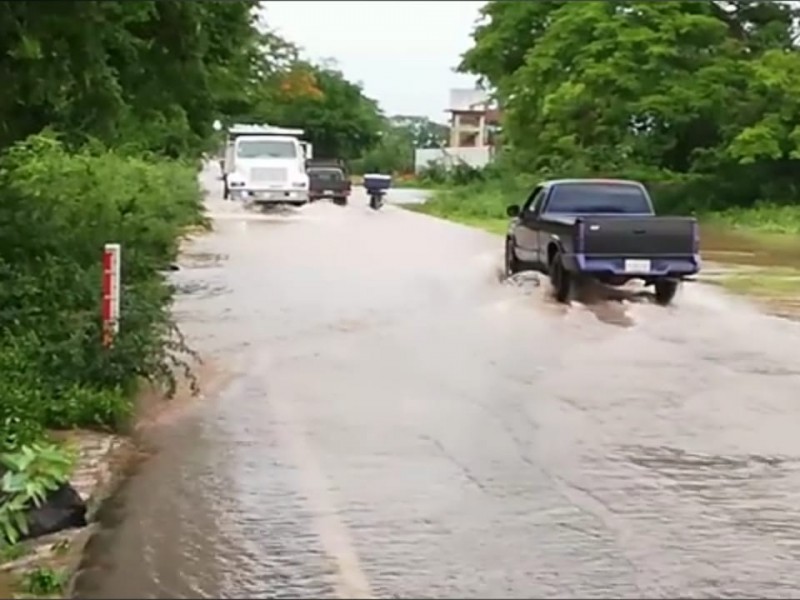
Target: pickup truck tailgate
[{"x": 638, "y": 236}]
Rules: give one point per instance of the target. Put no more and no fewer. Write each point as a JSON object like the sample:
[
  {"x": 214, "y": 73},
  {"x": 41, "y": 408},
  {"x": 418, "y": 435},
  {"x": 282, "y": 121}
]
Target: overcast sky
[{"x": 402, "y": 52}]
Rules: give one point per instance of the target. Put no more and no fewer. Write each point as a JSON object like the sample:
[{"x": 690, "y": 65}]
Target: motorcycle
[
  {"x": 376, "y": 186},
  {"x": 376, "y": 199}
]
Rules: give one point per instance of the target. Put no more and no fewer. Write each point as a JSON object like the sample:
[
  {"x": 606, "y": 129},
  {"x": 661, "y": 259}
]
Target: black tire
[
  {"x": 226, "y": 191},
  {"x": 560, "y": 279},
  {"x": 340, "y": 201},
  {"x": 665, "y": 290},
  {"x": 512, "y": 263}
]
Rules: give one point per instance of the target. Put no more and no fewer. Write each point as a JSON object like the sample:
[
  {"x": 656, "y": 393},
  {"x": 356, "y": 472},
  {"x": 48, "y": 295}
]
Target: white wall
[{"x": 478, "y": 156}]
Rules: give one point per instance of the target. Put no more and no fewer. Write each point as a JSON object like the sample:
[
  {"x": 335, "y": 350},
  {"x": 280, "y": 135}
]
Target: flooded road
[{"x": 398, "y": 423}]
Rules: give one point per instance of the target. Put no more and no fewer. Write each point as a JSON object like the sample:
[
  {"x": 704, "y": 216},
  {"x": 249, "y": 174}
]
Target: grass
[
  {"x": 477, "y": 205},
  {"x": 417, "y": 184},
  {"x": 763, "y": 219}
]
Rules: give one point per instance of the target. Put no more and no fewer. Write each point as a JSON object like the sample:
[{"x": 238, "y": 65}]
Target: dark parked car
[{"x": 603, "y": 229}]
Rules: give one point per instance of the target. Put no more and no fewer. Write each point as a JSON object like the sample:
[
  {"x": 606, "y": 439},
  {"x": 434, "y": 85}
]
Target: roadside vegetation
[
  {"x": 393, "y": 152},
  {"x": 106, "y": 110},
  {"x": 699, "y": 100}
]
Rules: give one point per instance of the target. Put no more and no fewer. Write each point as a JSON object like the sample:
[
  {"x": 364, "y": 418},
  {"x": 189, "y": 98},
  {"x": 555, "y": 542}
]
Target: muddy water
[
  {"x": 398, "y": 423},
  {"x": 763, "y": 266},
  {"x": 726, "y": 246}
]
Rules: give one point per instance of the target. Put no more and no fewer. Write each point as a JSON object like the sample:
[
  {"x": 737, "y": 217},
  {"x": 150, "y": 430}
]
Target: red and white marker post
[{"x": 111, "y": 292}]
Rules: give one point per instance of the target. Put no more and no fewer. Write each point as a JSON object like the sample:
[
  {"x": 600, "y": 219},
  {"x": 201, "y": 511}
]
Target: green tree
[
  {"x": 394, "y": 152},
  {"x": 422, "y": 132},
  {"x": 400, "y": 137},
  {"x": 698, "y": 92},
  {"x": 338, "y": 119},
  {"x": 148, "y": 75},
  {"x": 502, "y": 40}
]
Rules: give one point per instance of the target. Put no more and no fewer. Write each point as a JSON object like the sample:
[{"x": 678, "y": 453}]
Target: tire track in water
[{"x": 351, "y": 581}]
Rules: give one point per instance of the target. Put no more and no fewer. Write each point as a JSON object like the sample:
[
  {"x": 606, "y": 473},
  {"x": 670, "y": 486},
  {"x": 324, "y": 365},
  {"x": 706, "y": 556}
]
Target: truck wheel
[
  {"x": 560, "y": 278},
  {"x": 512, "y": 265},
  {"x": 665, "y": 290},
  {"x": 340, "y": 201}
]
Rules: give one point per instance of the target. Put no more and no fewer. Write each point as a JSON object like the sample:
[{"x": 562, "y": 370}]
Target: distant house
[
  {"x": 473, "y": 118},
  {"x": 474, "y": 121}
]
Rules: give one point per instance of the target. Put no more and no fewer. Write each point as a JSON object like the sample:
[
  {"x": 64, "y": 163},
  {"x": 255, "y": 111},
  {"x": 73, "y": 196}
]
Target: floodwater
[
  {"x": 397, "y": 422},
  {"x": 766, "y": 250}
]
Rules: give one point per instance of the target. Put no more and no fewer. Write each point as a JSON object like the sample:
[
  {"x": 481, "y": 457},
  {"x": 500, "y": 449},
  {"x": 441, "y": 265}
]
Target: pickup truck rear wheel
[
  {"x": 560, "y": 278},
  {"x": 512, "y": 264},
  {"x": 665, "y": 290}
]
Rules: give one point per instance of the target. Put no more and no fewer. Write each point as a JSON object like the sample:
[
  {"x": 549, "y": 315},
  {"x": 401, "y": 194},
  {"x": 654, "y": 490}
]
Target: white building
[{"x": 473, "y": 119}]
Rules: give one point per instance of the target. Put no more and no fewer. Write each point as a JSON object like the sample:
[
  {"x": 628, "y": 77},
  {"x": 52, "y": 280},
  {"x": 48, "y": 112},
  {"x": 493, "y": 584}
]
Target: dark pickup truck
[
  {"x": 604, "y": 229},
  {"x": 328, "y": 179}
]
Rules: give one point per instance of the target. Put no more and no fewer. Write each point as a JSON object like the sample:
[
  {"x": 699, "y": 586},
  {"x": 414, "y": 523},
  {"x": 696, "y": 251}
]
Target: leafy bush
[
  {"x": 768, "y": 218},
  {"x": 22, "y": 395},
  {"x": 58, "y": 210},
  {"x": 42, "y": 582},
  {"x": 30, "y": 475}
]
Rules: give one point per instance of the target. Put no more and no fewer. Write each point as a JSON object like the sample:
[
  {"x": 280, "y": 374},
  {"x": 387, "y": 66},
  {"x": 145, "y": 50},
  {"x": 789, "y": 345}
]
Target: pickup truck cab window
[
  {"x": 533, "y": 204},
  {"x": 598, "y": 198},
  {"x": 326, "y": 174}
]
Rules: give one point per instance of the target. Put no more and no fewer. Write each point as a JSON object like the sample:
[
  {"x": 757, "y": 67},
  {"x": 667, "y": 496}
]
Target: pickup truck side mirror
[{"x": 513, "y": 210}]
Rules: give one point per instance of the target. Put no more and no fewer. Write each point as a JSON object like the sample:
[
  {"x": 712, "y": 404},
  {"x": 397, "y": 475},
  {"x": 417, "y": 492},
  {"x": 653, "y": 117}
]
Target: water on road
[{"x": 397, "y": 422}]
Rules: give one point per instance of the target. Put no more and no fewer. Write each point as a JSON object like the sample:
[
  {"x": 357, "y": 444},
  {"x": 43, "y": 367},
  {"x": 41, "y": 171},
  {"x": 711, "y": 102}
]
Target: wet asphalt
[{"x": 397, "y": 421}]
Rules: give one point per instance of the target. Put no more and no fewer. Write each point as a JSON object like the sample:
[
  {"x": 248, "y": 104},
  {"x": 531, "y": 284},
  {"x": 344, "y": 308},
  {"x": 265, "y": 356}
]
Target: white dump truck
[{"x": 266, "y": 165}]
